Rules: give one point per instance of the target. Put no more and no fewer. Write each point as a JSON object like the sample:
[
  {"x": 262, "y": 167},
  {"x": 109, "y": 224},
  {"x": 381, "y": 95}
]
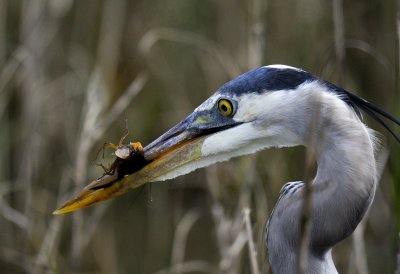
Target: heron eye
[{"x": 225, "y": 107}]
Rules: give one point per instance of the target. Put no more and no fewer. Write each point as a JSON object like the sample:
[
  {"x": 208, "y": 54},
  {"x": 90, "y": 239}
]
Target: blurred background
[{"x": 72, "y": 71}]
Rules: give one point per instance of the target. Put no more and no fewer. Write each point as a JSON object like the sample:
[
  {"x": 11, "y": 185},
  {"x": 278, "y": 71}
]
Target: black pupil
[{"x": 224, "y": 108}]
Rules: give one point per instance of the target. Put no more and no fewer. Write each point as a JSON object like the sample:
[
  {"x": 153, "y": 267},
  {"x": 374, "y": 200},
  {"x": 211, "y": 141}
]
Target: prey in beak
[{"x": 176, "y": 152}]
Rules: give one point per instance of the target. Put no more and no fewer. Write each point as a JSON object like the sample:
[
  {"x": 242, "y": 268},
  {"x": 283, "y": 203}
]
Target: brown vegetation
[{"x": 71, "y": 71}]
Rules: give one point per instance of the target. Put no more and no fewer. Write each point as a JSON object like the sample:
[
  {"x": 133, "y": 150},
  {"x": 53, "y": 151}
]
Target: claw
[
  {"x": 137, "y": 147},
  {"x": 111, "y": 145}
]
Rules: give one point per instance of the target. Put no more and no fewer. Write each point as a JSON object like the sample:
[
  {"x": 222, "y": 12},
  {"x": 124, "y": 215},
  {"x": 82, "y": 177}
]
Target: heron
[{"x": 274, "y": 106}]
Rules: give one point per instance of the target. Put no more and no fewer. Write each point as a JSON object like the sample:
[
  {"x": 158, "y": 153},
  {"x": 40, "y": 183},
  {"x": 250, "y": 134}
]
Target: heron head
[{"x": 244, "y": 115}]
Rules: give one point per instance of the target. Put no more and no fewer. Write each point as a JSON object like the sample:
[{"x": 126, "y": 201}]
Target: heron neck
[
  {"x": 344, "y": 151},
  {"x": 345, "y": 183},
  {"x": 342, "y": 189}
]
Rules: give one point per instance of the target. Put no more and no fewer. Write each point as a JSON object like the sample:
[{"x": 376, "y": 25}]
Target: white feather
[{"x": 279, "y": 66}]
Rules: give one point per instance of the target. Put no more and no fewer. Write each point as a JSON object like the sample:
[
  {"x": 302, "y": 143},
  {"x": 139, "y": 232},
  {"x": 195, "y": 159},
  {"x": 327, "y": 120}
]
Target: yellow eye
[{"x": 225, "y": 107}]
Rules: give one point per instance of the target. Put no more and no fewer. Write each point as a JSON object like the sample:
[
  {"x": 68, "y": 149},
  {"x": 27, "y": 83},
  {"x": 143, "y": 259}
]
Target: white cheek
[
  {"x": 247, "y": 139},
  {"x": 228, "y": 140},
  {"x": 254, "y": 106}
]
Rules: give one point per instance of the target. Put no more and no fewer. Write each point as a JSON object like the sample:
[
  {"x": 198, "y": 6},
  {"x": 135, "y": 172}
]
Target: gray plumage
[
  {"x": 281, "y": 106},
  {"x": 343, "y": 188}
]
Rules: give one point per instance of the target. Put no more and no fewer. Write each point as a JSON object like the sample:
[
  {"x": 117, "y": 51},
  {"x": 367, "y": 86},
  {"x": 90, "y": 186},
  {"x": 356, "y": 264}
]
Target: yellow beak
[{"x": 166, "y": 162}]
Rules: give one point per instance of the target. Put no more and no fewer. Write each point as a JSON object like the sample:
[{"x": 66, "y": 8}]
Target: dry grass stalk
[
  {"x": 305, "y": 218},
  {"x": 180, "y": 237},
  {"x": 256, "y": 32},
  {"x": 250, "y": 242},
  {"x": 154, "y": 35},
  {"x": 189, "y": 267},
  {"x": 338, "y": 22}
]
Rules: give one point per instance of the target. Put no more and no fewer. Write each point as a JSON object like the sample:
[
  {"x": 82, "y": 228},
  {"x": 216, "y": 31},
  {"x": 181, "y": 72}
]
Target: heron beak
[{"x": 180, "y": 145}]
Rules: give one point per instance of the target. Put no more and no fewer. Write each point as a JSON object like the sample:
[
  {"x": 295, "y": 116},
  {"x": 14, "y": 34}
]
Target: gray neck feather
[{"x": 343, "y": 187}]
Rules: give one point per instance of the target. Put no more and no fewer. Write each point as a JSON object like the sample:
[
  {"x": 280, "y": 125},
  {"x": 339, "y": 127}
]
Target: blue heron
[{"x": 275, "y": 106}]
